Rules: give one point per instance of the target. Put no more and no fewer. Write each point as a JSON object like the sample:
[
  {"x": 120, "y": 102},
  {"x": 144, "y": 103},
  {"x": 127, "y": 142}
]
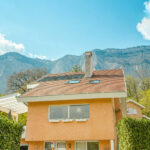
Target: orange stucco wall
[
  {"x": 118, "y": 110},
  {"x": 36, "y": 146},
  {"x": 100, "y": 126},
  {"x": 138, "y": 108},
  {"x": 103, "y": 145}
]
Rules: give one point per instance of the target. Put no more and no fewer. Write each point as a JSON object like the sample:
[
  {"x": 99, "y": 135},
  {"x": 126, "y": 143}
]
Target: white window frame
[
  {"x": 67, "y": 120},
  {"x": 112, "y": 144},
  {"x": 132, "y": 111},
  {"x": 55, "y": 143},
  {"x": 60, "y": 142},
  {"x": 85, "y": 142}
]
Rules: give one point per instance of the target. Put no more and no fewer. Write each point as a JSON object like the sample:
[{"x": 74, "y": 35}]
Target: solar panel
[{"x": 64, "y": 77}]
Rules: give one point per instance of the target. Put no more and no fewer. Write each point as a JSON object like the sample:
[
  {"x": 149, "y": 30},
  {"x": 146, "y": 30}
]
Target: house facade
[
  {"x": 75, "y": 111},
  {"x": 134, "y": 110}
]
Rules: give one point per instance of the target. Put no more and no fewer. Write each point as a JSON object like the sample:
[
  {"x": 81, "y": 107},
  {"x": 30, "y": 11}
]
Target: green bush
[
  {"x": 10, "y": 134},
  {"x": 22, "y": 118},
  {"x": 134, "y": 134}
]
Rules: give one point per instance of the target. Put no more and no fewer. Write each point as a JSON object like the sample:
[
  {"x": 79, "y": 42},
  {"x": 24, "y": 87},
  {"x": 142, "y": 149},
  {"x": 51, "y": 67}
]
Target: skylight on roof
[
  {"x": 62, "y": 77},
  {"x": 73, "y": 81},
  {"x": 94, "y": 81}
]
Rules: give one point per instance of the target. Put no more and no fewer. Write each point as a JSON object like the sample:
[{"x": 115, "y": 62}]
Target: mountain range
[{"x": 130, "y": 59}]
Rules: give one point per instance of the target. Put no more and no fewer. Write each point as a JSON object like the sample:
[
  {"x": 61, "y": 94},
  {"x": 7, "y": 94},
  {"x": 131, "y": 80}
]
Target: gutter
[{"x": 26, "y": 99}]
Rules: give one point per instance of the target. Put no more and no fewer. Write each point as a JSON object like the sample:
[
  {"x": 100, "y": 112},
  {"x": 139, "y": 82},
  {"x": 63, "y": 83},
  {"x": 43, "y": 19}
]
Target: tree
[
  {"x": 145, "y": 84},
  {"x": 144, "y": 76},
  {"x": 22, "y": 118},
  {"x": 76, "y": 68},
  {"x": 133, "y": 90},
  {"x": 145, "y": 100},
  {"x": 139, "y": 90},
  {"x": 17, "y": 82}
]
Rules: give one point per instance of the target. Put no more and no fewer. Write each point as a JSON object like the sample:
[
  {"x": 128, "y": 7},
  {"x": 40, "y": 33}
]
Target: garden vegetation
[
  {"x": 10, "y": 134},
  {"x": 134, "y": 134}
]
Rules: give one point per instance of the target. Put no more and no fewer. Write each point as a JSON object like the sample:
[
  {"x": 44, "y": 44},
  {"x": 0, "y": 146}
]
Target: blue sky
[{"x": 53, "y": 28}]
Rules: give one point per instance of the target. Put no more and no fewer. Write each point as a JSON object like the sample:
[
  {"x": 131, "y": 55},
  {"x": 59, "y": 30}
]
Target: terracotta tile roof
[{"x": 110, "y": 81}]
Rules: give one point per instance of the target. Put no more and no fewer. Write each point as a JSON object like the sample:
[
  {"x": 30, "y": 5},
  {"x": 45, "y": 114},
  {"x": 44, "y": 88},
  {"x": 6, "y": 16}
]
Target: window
[
  {"x": 131, "y": 111},
  {"x": 58, "y": 112},
  {"x": 73, "y": 81},
  {"x": 81, "y": 146},
  {"x": 87, "y": 146},
  {"x": 61, "y": 146},
  {"x": 79, "y": 111},
  {"x": 69, "y": 112},
  {"x": 92, "y": 146},
  {"x": 48, "y": 146},
  {"x": 94, "y": 81},
  {"x": 55, "y": 146}
]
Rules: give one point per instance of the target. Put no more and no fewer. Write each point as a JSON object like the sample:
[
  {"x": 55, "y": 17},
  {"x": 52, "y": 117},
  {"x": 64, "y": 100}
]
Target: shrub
[
  {"x": 22, "y": 118},
  {"x": 134, "y": 134},
  {"x": 10, "y": 134}
]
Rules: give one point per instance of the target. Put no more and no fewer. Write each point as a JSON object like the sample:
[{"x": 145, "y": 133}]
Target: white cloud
[
  {"x": 144, "y": 26},
  {"x": 37, "y": 56},
  {"x": 147, "y": 6},
  {"x": 9, "y": 46}
]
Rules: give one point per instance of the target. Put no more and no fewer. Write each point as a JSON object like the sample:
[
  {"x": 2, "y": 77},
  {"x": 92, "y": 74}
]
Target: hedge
[
  {"x": 134, "y": 134},
  {"x": 10, "y": 134}
]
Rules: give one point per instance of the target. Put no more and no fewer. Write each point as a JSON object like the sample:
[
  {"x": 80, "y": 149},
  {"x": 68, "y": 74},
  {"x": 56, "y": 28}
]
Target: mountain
[{"x": 129, "y": 59}]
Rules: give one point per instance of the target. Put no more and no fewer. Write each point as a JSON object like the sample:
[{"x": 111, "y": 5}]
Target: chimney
[{"x": 88, "y": 65}]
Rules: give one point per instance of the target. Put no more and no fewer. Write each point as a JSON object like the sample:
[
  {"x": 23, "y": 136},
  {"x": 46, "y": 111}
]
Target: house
[
  {"x": 134, "y": 110},
  {"x": 75, "y": 111},
  {"x": 10, "y": 105}
]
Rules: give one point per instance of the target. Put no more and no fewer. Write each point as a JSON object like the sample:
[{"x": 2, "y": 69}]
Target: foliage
[
  {"x": 17, "y": 82},
  {"x": 138, "y": 89},
  {"x": 145, "y": 84},
  {"x": 3, "y": 114},
  {"x": 10, "y": 134},
  {"x": 134, "y": 134},
  {"x": 145, "y": 100},
  {"x": 22, "y": 118},
  {"x": 76, "y": 68},
  {"x": 133, "y": 87}
]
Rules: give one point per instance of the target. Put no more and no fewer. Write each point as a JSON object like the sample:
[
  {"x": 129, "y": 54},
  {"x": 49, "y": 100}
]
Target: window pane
[
  {"x": 79, "y": 111},
  {"x": 132, "y": 111},
  {"x": 58, "y": 112},
  {"x": 92, "y": 146},
  {"x": 61, "y": 145},
  {"x": 48, "y": 146},
  {"x": 81, "y": 146}
]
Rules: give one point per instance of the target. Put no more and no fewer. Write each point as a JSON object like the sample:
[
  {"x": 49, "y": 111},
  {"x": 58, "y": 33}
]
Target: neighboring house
[
  {"x": 9, "y": 104},
  {"x": 134, "y": 109},
  {"x": 75, "y": 111}
]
